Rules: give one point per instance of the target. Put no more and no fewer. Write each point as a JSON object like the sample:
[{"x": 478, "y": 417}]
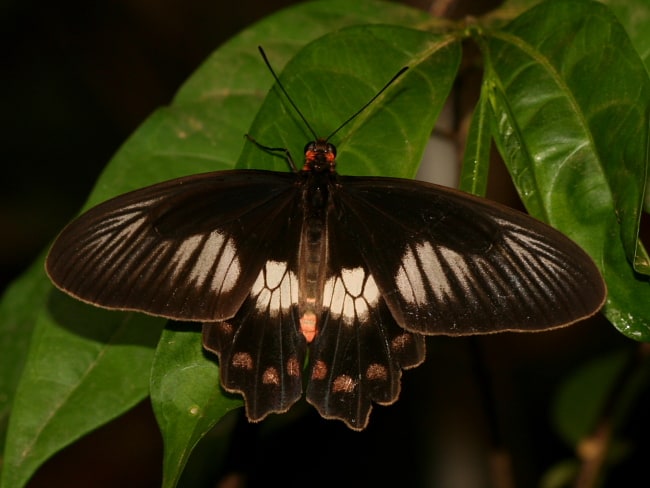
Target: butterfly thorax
[{"x": 318, "y": 173}]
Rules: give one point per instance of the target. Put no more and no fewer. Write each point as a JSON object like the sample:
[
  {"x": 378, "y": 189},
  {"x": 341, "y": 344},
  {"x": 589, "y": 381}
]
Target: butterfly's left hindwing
[
  {"x": 187, "y": 249},
  {"x": 261, "y": 353}
]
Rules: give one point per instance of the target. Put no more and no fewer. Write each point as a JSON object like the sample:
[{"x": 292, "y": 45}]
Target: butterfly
[{"x": 313, "y": 278}]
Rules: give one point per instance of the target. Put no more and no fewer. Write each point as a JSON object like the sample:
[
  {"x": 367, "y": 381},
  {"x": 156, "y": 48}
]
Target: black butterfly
[{"x": 354, "y": 270}]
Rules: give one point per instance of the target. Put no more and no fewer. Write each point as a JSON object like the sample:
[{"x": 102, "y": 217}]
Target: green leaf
[
  {"x": 476, "y": 158},
  {"x": 85, "y": 367},
  {"x": 635, "y": 16},
  {"x": 186, "y": 395},
  {"x": 582, "y": 396},
  {"x": 19, "y": 310},
  {"x": 571, "y": 96},
  {"x": 334, "y": 77}
]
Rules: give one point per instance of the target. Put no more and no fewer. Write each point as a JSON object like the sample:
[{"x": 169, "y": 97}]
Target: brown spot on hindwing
[
  {"x": 343, "y": 384},
  {"x": 319, "y": 370},
  {"x": 377, "y": 372},
  {"x": 293, "y": 367},
  {"x": 271, "y": 377},
  {"x": 242, "y": 360}
]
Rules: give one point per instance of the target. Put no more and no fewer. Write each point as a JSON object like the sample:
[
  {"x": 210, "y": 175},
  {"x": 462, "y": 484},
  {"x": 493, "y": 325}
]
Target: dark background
[{"x": 77, "y": 78}]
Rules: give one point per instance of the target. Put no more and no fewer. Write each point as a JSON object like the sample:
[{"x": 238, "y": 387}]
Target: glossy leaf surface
[{"x": 570, "y": 103}]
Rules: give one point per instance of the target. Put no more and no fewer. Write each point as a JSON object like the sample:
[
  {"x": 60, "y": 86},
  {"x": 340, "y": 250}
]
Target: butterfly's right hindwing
[{"x": 359, "y": 352}]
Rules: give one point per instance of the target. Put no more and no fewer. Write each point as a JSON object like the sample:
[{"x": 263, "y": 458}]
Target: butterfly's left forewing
[
  {"x": 217, "y": 247},
  {"x": 186, "y": 249}
]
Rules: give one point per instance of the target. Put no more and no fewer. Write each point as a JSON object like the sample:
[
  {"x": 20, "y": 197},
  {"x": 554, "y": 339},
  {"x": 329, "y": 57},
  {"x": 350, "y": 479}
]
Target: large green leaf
[
  {"x": 201, "y": 131},
  {"x": 186, "y": 396},
  {"x": 570, "y": 99},
  {"x": 81, "y": 372},
  {"x": 19, "y": 308},
  {"x": 633, "y": 14},
  {"x": 635, "y": 17}
]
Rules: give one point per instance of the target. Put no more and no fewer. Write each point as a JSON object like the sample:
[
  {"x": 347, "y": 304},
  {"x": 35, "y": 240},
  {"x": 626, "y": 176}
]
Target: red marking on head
[
  {"x": 320, "y": 155},
  {"x": 308, "y": 325},
  {"x": 310, "y": 154},
  {"x": 310, "y": 157}
]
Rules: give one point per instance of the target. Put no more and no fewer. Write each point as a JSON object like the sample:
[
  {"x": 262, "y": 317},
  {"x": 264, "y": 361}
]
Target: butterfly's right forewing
[{"x": 450, "y": 263}]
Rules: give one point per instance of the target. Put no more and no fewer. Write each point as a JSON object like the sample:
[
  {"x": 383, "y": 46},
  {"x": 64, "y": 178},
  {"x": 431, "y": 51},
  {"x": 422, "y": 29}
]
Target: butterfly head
[{"x": 320, "y": 156}]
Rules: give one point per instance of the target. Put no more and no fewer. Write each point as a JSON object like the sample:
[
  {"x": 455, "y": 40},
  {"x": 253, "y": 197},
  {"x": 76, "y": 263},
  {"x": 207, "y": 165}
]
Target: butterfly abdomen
[{"x": 312, "y": 254}]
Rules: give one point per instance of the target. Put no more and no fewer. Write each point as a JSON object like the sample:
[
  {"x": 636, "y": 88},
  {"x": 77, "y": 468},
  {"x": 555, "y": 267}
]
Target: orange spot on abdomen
[{"x": 308, "y": 323}]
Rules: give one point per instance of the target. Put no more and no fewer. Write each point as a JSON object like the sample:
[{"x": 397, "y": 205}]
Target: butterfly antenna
[
  {"x": 349, "y": 119},
  {"x": 286, "y": 94},
  {"x": 365, "y": 106}
]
